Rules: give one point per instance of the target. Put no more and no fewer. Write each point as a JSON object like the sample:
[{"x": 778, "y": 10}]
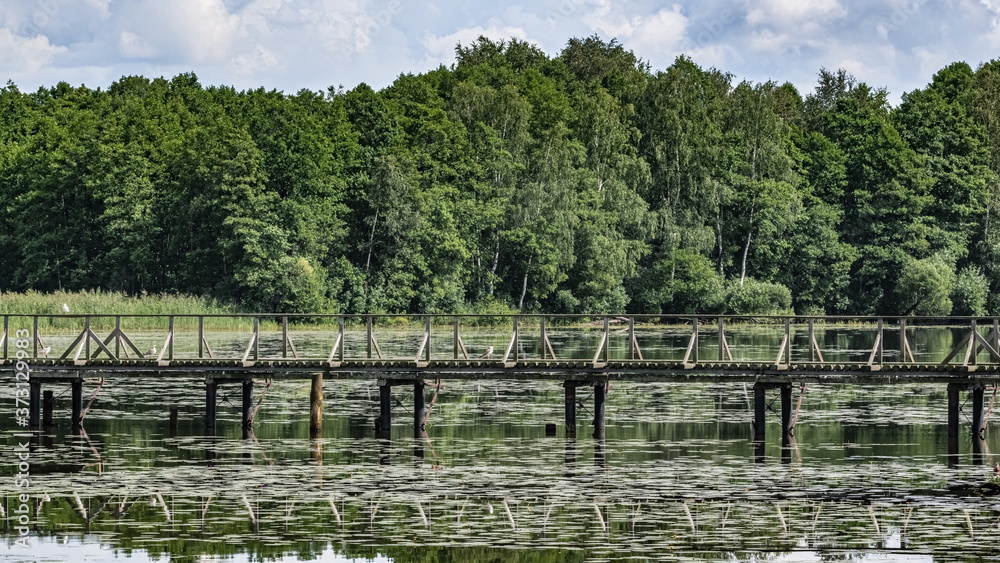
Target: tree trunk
[
  {"x": 746, "y": 248},
  {"x": 496, "y": 262},
  {"x": 524, "y": 288}
]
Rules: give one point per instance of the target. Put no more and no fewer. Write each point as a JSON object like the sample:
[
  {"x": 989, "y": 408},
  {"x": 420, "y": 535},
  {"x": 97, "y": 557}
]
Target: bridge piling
[
  {"x": 978, "y": 428},
  {"x": 419, "y": 409},
  {"x": 34, "y": 402},
  {"x": 384, "y": 426},
  {"x": 316, "y": 406},
  {"x": 570, "y": 387},
  {"x": 786, "y": 410},
  {"x": 600, "y": 392},
  {"x": 211, "y": 393},
  {"x": 247, "y": 403},
  {"x": 77, "y": 417},
  {"x": 48, "y": 402},
  {"x": 759, "y": 410}
]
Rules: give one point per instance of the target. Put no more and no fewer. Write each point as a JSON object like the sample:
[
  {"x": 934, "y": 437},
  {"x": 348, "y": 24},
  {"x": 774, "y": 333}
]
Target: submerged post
[
  {"x": 952, "y": 410},
  {"x": 600, "y": 391},
  {"x": 211, "y": 390},
  {"x": 384, "y": 426},
  {"x": 419, "y": 408},
  {"x": 978, "y": 429},
  {"x": 247, "y": 403},
  {"x": 34, "y": 402},
  {"x": 316, "y": 406},
  {"x": 48, "y": 403},
  {"x": 77, "y": 417},
  {"x": 786, "y": 409},
  {"x": 570, "y": 387},
  {"x": 759, "y": 408}
]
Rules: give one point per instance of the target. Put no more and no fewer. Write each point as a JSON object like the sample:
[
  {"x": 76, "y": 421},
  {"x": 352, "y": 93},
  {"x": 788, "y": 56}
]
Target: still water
[{"x": 676, "y": 477}]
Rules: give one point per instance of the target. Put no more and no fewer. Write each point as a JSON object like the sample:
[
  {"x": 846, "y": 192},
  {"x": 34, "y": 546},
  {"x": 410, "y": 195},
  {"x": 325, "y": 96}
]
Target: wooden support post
[
  {"x": 786, "y": 409},
  {"x": 600, "y": 391},
  {"x": 759, "y": 410},
  {"x": 427, "y": 351},
  {"x": 902, "y": 341},
  {"x": 788, "y": 341},
  {"x": 881, "y": 346},
  {"x": 34, "y": 402},
  {"x": 248, "y": 402},
  {"x": 118, "y": 340},
  {"x": 953, "y": 410},
  {"x": 454, "y": 322},
  {"x": 343, "y": 344},
  {"x": 256, "y": 338},
  {"x": 722, "y": 339},
  {"x": 48, "y": 404},
  {"x": 974, "y": 331},
  {"x": 385, "y": 410},
  {"x": 201, "y": 337},
  {"x": 607, "y": 343},
  {"x": 570, "y": 387},
  {"x": 978, "y": 428},
  {"x": 694, "y": 340},
  {"x": 419, "y": 408},
  {"x": 174, "y": 411},
  {"x": 515, "y": 350},
  {"x": 812, "y": 340},
  {"x": 35, "y": 339},
  {"x": 368, "y": 346},
  {"x": 543, "y": 335},
  {"x": 631, "y": 338},
  {"x": 284, "y": 337},
  {"x": 170, "y": 333},
  {"x": 211, "y": 391},
  {"x": 316, "y": 406},
  {"x": 6, "y": 331},
  {"x": 77, "y": 412},
  {"x": 86, "y": 336},
  {"x": 996, "y": 338}
]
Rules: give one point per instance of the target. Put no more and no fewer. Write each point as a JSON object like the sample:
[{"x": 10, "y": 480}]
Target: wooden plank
[
  {"x": 510, "y": 346},
  {"x": 336, "y": 345},
  {"x": 101, "y": 346},
  {"x": 692, "y": 344},
  {"x": 600, "y": 345},
  {"x": 253, "y": 338},
  {"x": 72, "y": 346},
  {"x": 169, "y": 341},
  {"x": 462, "y": 345},
  {"x": 781, "y": 350},
  {"x": 986, "y": 345},
  {"x": 635, "y": 345},
  {"x": 549, "y": 345}
]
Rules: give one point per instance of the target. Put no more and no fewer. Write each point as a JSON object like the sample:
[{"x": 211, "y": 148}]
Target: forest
[{"x": 512, "y": 180}]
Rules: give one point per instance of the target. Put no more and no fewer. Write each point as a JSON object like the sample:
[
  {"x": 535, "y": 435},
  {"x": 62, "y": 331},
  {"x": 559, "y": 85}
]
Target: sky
[{"x": 289, "y": 45}]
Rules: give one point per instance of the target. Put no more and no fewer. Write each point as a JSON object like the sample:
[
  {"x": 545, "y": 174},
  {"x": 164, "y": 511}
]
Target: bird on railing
[
  {"x": 489, "y": 353},
  {"x": 151, "y": 351},
  {"x": 45, "y": 351},
  {"x": 65, "y": 308}
]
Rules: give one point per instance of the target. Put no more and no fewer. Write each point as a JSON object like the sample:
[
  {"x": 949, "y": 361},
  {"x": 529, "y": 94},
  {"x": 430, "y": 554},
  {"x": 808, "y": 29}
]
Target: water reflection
[{"x": 672, "y": 473}]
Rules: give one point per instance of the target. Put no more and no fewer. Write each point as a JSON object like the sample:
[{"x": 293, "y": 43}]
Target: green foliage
[
  {"x": 580, "y": 183},
  {"x": 754, "y": 297},
  {"x": 970, "y": 293},
  {"x": 924, "y": 286}
]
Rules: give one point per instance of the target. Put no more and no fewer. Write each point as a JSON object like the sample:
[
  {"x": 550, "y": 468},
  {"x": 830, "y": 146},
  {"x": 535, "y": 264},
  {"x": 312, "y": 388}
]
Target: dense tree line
[{"x": 585, "y": 182}]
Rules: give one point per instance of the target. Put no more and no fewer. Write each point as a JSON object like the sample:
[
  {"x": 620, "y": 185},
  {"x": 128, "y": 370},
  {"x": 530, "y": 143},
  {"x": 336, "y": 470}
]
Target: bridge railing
[{"x": 498, "y": 338}]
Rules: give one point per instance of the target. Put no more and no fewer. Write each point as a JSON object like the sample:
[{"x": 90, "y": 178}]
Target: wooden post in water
[
  {"x": 570, "y": 387},
  {"x": 786, "y": 409},
  {"x": 201, "y": 337},
  {"x": 759, "y": 409},
  {"x": 316, "y": 406},
  {"x": 419, "y": 408},
  {"x": 284, "y": 337},
  {"x": 34, "y": 402},
  {"x": 173, "y": 421},
  {"x": 77, "y": 416},
  {"x": 48, "y": 403},
  {"x": 953, "y": 410},
  {"x": 248, "y": 401},
  {"x": 384, "y": 426},
  {"x": 978, "y": 429},
  {"x": 454, "y": 339},
  {"x": 211, "y": 391},
  {"x": 600, "y": 390}
]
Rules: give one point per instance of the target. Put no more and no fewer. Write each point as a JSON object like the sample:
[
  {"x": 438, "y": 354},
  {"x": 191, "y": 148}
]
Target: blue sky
[{"x": 293, "y": 44}]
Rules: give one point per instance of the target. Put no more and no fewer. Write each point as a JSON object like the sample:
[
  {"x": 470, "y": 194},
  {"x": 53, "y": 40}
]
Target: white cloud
[
  {"x": 26, "y": 53},
  {"x": 132, "y": 46},
  {"x": 258, "y": 59},
  {"x": 784, "y": 13}
]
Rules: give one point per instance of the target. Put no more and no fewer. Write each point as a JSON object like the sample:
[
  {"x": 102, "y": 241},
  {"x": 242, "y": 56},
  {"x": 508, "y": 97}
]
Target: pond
[{"x": 867, "y": 476}]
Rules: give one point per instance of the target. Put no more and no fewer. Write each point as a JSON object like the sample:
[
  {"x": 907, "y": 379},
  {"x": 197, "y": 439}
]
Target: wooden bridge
[{"x": 591, "y": 350}]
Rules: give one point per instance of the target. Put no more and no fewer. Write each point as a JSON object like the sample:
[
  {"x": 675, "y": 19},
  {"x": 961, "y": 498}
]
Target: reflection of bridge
[
  {"x": 598, "y": 522},
  {"x": 770, "y": 352}
]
